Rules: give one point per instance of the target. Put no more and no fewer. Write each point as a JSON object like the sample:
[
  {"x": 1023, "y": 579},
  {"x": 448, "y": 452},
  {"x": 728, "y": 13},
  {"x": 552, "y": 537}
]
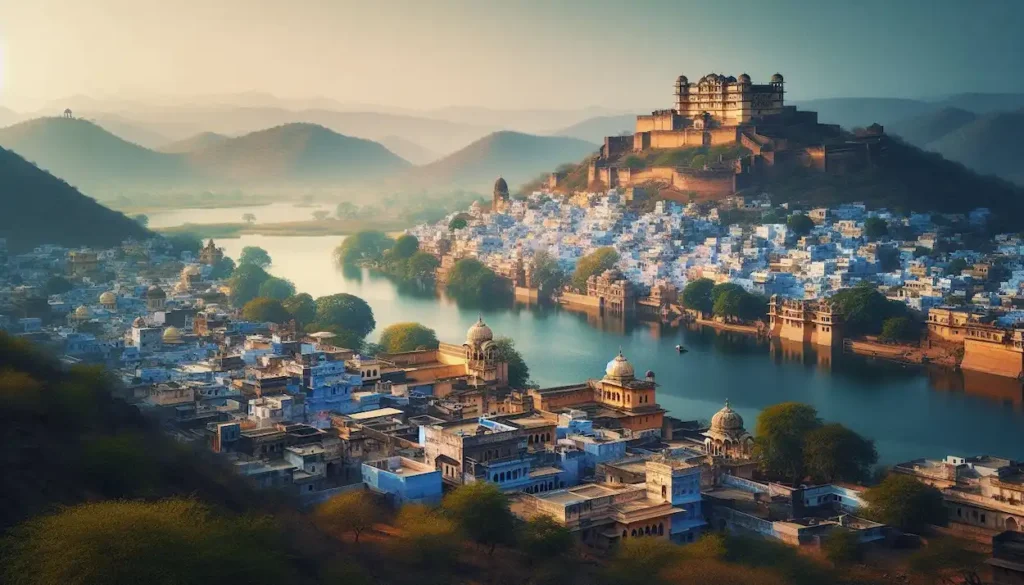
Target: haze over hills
[
  {"x": 853, "y": 112},
  {"x": 38, "y": 208},
  {"x": 515, "y": 156},
  {"x": 990, "y": 144},
  {"x": 294, "y": 154},
  {"x": 8, "y": 117},
  {"x": 595, "y": 129},
  {"x": 89, "y": 156},
  {"x": 409, "y": 150},
  {"x": 924, "y": 128},
  {"x": 193, "y": 143}
]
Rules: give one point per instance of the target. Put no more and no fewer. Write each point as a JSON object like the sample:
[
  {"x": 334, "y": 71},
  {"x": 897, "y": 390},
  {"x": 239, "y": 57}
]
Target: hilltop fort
[{"x": 720, "y": 136}]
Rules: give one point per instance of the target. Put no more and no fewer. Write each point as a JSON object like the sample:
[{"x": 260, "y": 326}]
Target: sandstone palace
[{"x": 742, "y": 130}]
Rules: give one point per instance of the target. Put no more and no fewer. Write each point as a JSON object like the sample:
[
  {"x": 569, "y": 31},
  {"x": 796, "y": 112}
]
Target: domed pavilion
[{"x": 727, "y": 437}]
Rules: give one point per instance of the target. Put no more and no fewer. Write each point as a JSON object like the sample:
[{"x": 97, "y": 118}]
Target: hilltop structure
[
  {"x": 500, "y": 197},
  {"x": 750, "y": 123}
]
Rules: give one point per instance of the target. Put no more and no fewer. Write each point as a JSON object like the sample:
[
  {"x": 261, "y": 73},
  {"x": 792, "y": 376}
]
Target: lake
[
  {"x": 269, "y": 213},
  {"x": 909, "y": 412}
]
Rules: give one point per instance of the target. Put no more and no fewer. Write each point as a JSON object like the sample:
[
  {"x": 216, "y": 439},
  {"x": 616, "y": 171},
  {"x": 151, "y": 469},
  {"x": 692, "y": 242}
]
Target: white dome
[
  {"x": 619, "y": 368},
  {"x": 727, "y": 420},
  {"x": 479, "y": 333}
]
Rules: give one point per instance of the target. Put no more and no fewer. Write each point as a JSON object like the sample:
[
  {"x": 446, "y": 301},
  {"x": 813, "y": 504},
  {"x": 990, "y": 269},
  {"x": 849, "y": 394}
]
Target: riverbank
[
  {"x": 327, "y": 227},
  {"x": 939, "y": 355}
]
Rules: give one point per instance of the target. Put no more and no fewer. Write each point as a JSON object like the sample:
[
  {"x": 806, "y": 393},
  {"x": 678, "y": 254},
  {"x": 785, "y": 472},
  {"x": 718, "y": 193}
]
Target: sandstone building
[{"x": 813, "y": 322}]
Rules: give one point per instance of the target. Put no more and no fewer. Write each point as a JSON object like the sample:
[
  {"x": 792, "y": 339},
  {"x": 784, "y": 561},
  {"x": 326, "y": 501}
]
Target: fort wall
[{"x": 995, "y": 358}]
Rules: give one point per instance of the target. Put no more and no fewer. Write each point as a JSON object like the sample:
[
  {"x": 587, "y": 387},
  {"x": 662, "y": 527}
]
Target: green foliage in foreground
[
  {"x": 469, "y": 280},
  {"x": 482, "y": 513},
  {"x": 401, "y": 337},
  {"x": 518, "y": 371},
  {"x": 906, "y": 503},
  {"x": 592, "y": 264},
  {"x": 345, "y": 315},
  {"x": 365, "y": 245},
  {"x": 864, "y": 309}
]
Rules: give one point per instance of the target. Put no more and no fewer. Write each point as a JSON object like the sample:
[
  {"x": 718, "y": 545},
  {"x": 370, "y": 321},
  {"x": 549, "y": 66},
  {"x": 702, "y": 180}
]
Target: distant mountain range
[
  {"x": 38, "y": 208},
  {"x": 194, "y": 143},
  {"x": 409, "y": 150},
  {"x": 86, "y": 154},
  {"x": 515, "y": 156},
  {"x": 595, "y": 129}
]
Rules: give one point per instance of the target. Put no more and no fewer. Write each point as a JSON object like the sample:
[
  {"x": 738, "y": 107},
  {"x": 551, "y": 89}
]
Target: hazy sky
[{"x": 422, "y": 54}]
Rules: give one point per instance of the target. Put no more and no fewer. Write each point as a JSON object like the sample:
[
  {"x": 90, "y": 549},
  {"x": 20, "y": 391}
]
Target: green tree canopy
[
  {"x": 956, "y": 266},
  {"x": 223, "y": 268},
  {"x": 401, "y": 337},
  {"x": 518, "y": 371},
  {"x": 780, "y": 438},
  {"x": 542, "y": 537},
  {"x": 906, "y": 503},
  {"x": 457, "y": 223},
  {"x": 429, "y": 540},
  {"x": 255, "y": 256},
  {"x": 864, "y": 309},
  {"x": 596, "y": 262},
  {"x": 245, "y": 283},
  {"x": 641, "y": 561},
  {"x": 833, "y": 452},
  {"x": 732, "y": 301},
  {"x": 697, "y": 295},
  {"x": 365, "y": 245},
  {"x": 265, "y": 310},
  {"x": 875, "y": 227},
  {"x": 169, "y": 542},
  {"x": 899, "y": 329},
  {"x": 405, "y": 246},
  {"x": 547, "y": 275},
  {"x": 301, "y": 307},
  {"x": 277, "y": 288},
  {"x": 422, "y": 266},
  {"x": 354, "y": 512},
  {"x": 841, "y": 546},
  {"x": 345, "y": 315},
  {"x": 183, "y": 242},
  {"x": 482, "y": 512},
  {"x": 799, "y": 224},
  {"x": 141, "y": 219},
  {"x": 470, "y": 280}
]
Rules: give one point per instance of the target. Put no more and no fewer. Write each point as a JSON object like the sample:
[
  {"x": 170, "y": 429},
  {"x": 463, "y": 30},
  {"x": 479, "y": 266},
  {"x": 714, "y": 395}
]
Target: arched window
[
  {"x": 632, "y": 532},
  {"x": 647, "y": 530},
  {"x": 661, "y": 528},
  {"x": 623, "y": 533}
]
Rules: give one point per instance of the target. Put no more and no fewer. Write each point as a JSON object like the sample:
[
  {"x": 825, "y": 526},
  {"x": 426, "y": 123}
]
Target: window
[{"x": 664, "y": 491}]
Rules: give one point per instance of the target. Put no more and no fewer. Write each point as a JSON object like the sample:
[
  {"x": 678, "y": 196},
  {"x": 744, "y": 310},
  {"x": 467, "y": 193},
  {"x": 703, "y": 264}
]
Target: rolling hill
[
  {"x": 516, "y": 157},
  {"x": 194, "y": 143},
  {"x": 294, "y": 154},
  {"x": 89, "y": 156},
  {"x": 595, "y": 129},
  {"x": 853, "y": 112},
  {"x": 38, "y": 208},
  {"x": 922, "y": 129},
  {"x": 990, "y": 144},
  {"x": 8, "y": 117}
]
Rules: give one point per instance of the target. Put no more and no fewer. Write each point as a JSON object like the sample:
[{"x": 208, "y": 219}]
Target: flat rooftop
[{"x": 370, "y": 414}]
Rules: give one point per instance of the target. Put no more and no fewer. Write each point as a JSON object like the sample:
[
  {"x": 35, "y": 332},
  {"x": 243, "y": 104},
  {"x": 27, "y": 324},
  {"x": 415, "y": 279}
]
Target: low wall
[{"x": 993, "y": 358}]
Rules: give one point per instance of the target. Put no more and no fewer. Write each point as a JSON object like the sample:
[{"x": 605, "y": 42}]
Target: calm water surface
[
  {"x": 910, "y": 412},
  {"x": 270, "y": 213}
]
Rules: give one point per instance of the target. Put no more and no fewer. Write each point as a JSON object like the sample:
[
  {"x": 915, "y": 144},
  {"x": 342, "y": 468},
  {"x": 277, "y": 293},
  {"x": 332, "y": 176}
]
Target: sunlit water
[
  {"x": 270, "y": 213},
  {"x": 909, "y": 412}
]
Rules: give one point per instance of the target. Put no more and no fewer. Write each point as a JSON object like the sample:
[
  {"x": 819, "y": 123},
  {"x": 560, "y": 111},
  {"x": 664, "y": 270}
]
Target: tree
[
  {"x": 407, "y": 337},
  {"x": 354, "y": 512},
  {"x": 421, "y": 266},
  {"x": 780, "y": 438},
  {"x": 183, "y": 242},
  {"x": 346, "y": 209},
  {"x": 470, "y": 280},
  {"x": 640, "y": 561},
  {"x": 321, "y": 214},
  {"x": 482, "y": 512},
  {"x": 457, "y": 223},
  {"x": 58, "y": 285},
  {"x": 948, "y": 560},
  {"x": 255, "y": 256},
  {"x": 120, "y": 542},
  {"x": 718, "y": 572},
  {"x": 405, "y": 246},
  {"x": 223, "y": 268},
  {"x": 346, "y": 315},
  {"x": 833, "y": 452},
  {"x": 841, "y": 546},
  {"x": 245, "y": 283},
  {"x": 364, "y": 245},
  {"x": 906, "y": 503},
  {"x": 428, "y": 539},
  {"x": 265, "y": 310},
  {"x": 542, "y": 537},
  {"x": 249, "y": 218},
  {"x": 518, "y": 371},
  {"x": 875, "y": 227},
  {"x": 863, "y": 309},
  {"x": 301, "y": 307},
  {"x": 277, "y": 288},
  {"x": 799, "y": 224},
  {"x": 956, "y": 266},
  {"x": 546, "y": 274},
  {"x": 596, "y": 262},
  {"x": 899, "y": 329},
  {"x": 697, "y": 295},
  {"x": 141, "y": 219},
  {"x": 698, "y": 161}
]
